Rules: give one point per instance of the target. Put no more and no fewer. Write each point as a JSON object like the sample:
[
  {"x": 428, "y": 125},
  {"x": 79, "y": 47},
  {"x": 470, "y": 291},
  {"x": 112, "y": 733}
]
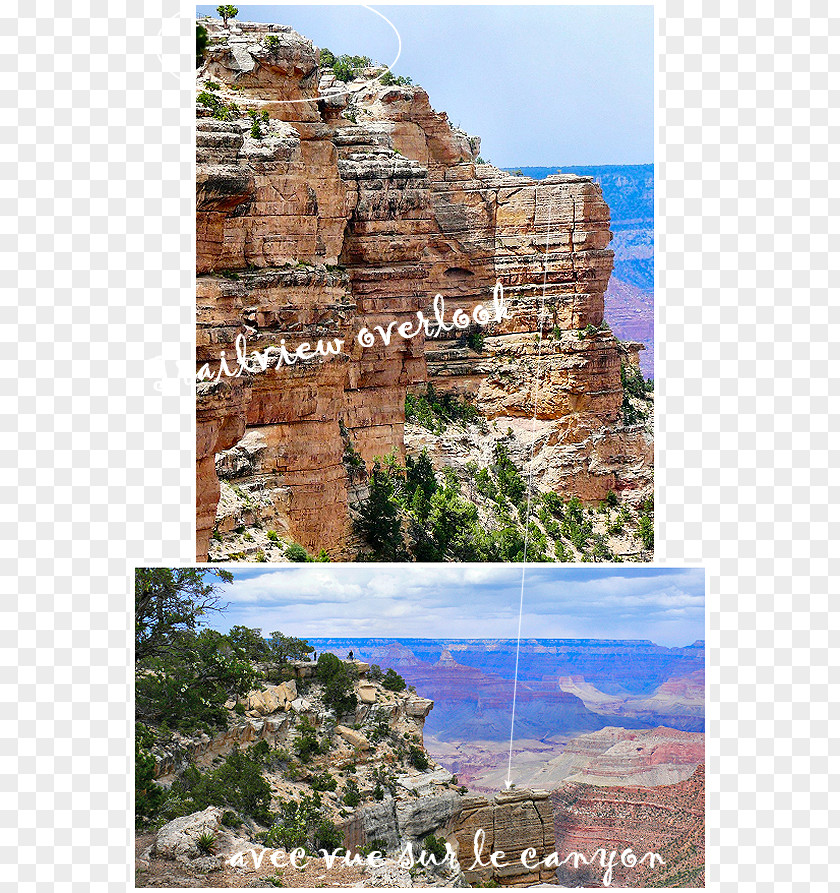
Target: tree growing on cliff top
[
  {"x": 288, "y": 648},
  {"x": 335, "y": 678},
  {"x": 393, "y": 681},
  {"x": 226, "y": 11}
]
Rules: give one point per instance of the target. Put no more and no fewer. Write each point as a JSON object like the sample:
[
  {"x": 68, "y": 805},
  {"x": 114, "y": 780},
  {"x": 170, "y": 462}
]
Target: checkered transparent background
[{"x": 97, "y": 253}]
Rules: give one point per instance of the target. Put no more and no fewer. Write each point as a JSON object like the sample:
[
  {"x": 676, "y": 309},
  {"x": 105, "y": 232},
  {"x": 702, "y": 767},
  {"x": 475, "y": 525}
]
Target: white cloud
[{"x": 470, "y": 601}]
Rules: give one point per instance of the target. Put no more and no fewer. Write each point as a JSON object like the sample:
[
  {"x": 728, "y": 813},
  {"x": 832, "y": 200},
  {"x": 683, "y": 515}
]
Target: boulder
[
  {"x": 272, "y": 699},
  {"x": 353, "y": 738},
  {"x": 367, "y": 694},
  {"x": 423, "y": 784},
  {"x": 178, "y": 839}
]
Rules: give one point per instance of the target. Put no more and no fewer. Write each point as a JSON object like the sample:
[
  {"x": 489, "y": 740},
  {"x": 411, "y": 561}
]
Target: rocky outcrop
[
  {"x": 201, "y": 749},
  {"x": 667, "y": 820},
  {"x": 271, "y": 699},
  {"x": 273, "y": 713},
  {"x": 513, "y": 822},
  {"x": 397, "y": 822},
  {"x": 312, "y": 225}
]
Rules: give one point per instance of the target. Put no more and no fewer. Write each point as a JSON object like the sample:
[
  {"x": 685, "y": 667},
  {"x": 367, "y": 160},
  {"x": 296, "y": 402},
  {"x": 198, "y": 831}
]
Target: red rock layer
[{"x": 668, "y": 820}]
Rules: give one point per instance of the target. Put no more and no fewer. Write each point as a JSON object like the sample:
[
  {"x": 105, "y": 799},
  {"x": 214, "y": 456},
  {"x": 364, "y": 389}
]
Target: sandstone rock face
[
  {"x": 514, "y": 821},
  {"x": 320, "y": 226},
  {"x": 272, "y": 699},
  {"x": 668, "y": 820},
  {"x": 203, "y": 748}
]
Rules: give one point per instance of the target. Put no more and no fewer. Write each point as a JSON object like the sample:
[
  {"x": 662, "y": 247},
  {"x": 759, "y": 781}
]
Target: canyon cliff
[
  {"x": 668, "y": 820},
  {"x": 336, "y": 207},
  {"x": 377, "y": 752}
]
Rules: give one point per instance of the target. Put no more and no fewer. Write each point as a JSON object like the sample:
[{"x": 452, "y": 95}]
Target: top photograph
[{"x": 424, "y": 283}]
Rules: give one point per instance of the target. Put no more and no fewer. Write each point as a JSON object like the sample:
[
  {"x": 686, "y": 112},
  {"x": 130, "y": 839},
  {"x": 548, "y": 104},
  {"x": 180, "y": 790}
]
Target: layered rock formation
[
  {"x": 273, "y": 713},
  {"x": 649, "y": 757},
  {"x": 668, "y": 820},
  {"x": 679, "y": 702},
  {"x": 350, "y": 207},
  {"x": 513, "y": 822},
  {"x": 619, "y": 669}
]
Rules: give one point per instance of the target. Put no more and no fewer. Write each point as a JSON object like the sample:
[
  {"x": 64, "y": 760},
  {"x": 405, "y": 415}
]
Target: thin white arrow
[{"x": 530, "y": 478}]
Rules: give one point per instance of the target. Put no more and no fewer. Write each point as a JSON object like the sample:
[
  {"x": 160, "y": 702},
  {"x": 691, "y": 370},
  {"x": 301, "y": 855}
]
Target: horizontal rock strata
[
  {"x": 313, "y": 225},
  {"x": 667, "y": 820}
]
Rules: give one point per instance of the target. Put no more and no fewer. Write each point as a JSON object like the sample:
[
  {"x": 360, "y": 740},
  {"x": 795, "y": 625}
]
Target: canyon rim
[
  {"x": 332, "y": 197},
  {"x": 251, "y": 748}
]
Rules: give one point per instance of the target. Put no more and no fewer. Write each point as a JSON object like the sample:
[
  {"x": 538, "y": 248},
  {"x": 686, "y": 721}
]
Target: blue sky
[
  {"x": 541, "y": 85},
  {"x": 666, "y": 605}
]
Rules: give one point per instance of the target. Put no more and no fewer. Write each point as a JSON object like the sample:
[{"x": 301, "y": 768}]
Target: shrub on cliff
[
  {"x": 434, "y": 411},
  {"x": 219, "y": 109},
  {"x": 420, "y": 473},
  {"x": 337, "y": 685},
  {"x": 352, "y": 797},
  {"x": 148, "y": 795},
  {"x": 258, "y": 120},
  {"x": 300, "y": 823},
  {"x": 295, "y": 552},
  {"x": 646, "y": 531},
  {"x": 323, "y": 782},
  {"x": 328, "y": 836},
  {"x": 388, "y": 79},
  {"x": 200, "y": 44},
  {"x": 237, "y": 783},
  {"x": 393, "y": 681},
  {"x": 435, "y": 846},
  {"x": 306, "y": 743},
  {"x": 345, "y": 68},
  {"x": 637, "y": 388},
  {"x": 511, "y": 483},
  {"x": 417, "y": 757}
]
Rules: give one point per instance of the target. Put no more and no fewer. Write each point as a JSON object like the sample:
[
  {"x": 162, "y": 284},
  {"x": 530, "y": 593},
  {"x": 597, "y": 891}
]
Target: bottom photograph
[{"x": 455, "y": 725}]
